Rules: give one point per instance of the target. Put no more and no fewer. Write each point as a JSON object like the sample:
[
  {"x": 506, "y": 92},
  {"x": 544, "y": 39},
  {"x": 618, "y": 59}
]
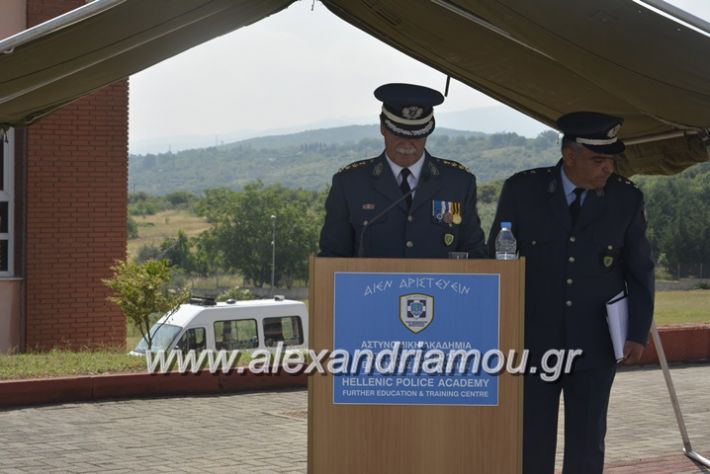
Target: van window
[
  {"x": 192, "y": 339},
  {"x": 287, "y": 329},
  {"x": 163, "y": 335},
  {"x": 240, "y": 334}
]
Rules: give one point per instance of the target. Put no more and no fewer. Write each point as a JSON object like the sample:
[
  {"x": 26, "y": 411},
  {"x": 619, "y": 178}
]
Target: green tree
[
  {"x": 218, "y": 205},
  {"x": 208, "y": 258},
  {"x": 141, "y": 290},
  {"x": 679, "y": 217},
  {"x": 242, "y": 234},
  {"x": 178, "y": 251}
]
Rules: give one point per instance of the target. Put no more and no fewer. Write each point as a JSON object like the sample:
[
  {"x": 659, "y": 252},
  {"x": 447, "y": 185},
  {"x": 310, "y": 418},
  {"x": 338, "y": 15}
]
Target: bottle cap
[{"x": 506, "y": 225}]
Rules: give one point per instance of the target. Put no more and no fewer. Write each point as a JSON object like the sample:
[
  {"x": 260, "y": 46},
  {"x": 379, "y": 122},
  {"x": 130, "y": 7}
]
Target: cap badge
[
  {"x": 412, "y": 113},
  {"x": 614, "y": 130}
]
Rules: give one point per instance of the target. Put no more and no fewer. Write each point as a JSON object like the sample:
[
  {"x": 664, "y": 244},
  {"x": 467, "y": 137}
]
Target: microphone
[{"x": 385, "y": 211}]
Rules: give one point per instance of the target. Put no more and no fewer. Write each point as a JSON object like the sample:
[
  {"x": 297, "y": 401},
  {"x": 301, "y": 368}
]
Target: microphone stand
[{"x": 392, "y": 205}]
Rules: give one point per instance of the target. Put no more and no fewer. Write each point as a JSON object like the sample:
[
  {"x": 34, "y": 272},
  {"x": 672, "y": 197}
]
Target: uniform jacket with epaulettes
[
  {"x": 571, "y": 272},
  {"x": 362, "y": 190}
]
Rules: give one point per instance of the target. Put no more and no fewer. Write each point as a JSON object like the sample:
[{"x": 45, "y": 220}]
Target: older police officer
[
  {"x": 405, "y": 202},
  {"x": 582, "y": 230}
]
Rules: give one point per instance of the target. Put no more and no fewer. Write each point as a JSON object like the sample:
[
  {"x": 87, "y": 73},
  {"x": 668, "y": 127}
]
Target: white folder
[{"x": 617, "y": 317}]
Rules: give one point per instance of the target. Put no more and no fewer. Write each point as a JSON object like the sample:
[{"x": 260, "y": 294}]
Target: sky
[{"x": 302, "y": 68}]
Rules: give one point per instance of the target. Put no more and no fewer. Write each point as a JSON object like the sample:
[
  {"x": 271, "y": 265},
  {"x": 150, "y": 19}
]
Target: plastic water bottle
[{"x": 506, "y": 245}]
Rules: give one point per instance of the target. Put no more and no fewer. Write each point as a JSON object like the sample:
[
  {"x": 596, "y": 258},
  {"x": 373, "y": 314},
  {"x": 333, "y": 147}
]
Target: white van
[{"x": 244, "y": 325}]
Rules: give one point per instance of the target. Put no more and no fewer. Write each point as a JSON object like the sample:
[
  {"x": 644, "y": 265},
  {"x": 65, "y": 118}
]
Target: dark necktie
[
  {"x": 404, "y": 185},
  {"x": 576, "y": 205}
]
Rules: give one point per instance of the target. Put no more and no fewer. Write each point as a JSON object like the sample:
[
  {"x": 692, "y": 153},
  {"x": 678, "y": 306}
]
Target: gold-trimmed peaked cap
[
  {"x": 408, "y": 109},
  {"x": 593, "y": 130}
]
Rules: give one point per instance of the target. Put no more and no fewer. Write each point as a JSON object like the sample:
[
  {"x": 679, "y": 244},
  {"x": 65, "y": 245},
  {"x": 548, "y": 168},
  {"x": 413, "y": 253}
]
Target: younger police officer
[
  {"x": 433, "y": 201},
  {"x": 582, "y": 231}
]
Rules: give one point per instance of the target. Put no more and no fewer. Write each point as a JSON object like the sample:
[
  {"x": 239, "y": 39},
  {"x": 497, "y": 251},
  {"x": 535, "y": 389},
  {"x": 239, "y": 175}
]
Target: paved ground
[{"x": 266, "y": 432}]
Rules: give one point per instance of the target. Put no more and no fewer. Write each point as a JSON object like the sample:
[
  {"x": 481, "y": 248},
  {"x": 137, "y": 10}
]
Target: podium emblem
[{"x": 416, "y": 311}]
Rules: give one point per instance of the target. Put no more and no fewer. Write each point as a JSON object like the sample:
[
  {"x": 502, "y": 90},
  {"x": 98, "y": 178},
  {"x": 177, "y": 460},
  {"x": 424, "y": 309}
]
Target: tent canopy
[
  {"x": 543, "y": 58},
  {"x": 52, "y": 64}
]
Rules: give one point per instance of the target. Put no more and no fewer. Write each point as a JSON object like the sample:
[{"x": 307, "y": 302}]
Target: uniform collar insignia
[
  {"x": 377, "y": 170},
  {"x": 433, "y": 170},
  {"x": 600, "y": 192},
  {"x": 552, "y": 187}
]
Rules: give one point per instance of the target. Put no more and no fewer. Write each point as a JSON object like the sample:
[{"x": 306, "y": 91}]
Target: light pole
[{"x": 273, "y": 251}]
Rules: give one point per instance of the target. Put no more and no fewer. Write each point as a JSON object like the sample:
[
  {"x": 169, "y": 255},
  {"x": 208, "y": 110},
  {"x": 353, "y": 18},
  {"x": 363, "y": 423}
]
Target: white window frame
[{"x": 7, "y": 194}]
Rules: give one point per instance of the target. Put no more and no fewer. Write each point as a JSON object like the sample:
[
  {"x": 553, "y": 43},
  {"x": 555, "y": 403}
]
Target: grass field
[
  {"x": 681, "y": 307},
  {"x": 672, "y": 307},
  {"x": 154, "y": 229},
  {"x": 62, "y": 363}
]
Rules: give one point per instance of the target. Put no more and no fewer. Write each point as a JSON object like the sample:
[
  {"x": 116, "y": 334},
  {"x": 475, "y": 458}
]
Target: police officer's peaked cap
[
  {"x": 594, "y": 130},
  {"x": 408, "y": 109}
]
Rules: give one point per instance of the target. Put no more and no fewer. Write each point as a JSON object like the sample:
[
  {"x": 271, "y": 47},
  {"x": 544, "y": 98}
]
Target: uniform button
[
  {"x": 572, "y": 239},
  {"x": 571, "y": 260},
  {"x": 568, "y": 303},
  {"x": 610, "y": 247},
  {"x": 410, "y": 244},
  {"x": 534, "y": 242},
  {"x": 410, "y": 218},
  {"x": 570, "y": 281}
]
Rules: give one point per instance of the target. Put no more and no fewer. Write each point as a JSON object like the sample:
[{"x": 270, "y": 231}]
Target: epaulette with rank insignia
[
  {"x": 535, "y": 171},
  {"x": 621, "y": 179},
  {"x": 356, "y": 164},
  {"x": 452, "y": 164}
]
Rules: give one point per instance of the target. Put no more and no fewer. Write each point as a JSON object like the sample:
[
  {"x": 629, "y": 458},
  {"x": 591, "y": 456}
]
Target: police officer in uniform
[
  {"x": 582, "y": 230},
  {"x": 405, "y": 202}
]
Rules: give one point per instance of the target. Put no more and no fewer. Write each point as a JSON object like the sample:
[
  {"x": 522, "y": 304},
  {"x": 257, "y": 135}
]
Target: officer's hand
[{"x": 632, "y": 352}]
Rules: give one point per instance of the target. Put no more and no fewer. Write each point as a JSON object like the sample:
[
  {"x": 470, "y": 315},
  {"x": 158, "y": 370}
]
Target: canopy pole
[
  {"x": 659, "y": 137},
  {"x": 677, "y": 14},
  {"x": 687, "y": 447},
  {"x": 8, "y": 45},
  {"x": 487, "y": 25}
]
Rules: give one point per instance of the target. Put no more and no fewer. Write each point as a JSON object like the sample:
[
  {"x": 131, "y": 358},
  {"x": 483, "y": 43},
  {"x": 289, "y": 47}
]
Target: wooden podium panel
[{"x": 374, "y": 439}]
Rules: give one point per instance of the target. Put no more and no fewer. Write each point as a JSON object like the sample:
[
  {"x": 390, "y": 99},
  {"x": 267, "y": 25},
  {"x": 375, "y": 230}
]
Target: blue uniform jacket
[
  {"x": 571, "y": 272},
  {"x": 365, "y": 188}
]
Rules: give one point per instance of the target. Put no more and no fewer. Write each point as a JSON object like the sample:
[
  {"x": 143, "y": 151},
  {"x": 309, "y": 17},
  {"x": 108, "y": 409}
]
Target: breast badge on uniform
[
  {"x": 608, "y": 259},
  {"x": 448, "y": 239},
  {"x": 448, "y": 212}
]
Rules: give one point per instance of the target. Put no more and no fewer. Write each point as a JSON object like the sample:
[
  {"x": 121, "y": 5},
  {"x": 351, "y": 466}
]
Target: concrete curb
[
  {"x": 138, "y": 385},
  {"x": 686, "y": 343},
  {"x": 681, "y": 343}
]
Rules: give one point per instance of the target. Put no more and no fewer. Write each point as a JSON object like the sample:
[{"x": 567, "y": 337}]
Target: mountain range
[
  {"x": 493, "y": 119},
  {"x": 308, "y": 159}
]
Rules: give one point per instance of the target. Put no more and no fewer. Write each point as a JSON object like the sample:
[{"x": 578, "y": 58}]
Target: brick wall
[{"x": 76, "y": 200}]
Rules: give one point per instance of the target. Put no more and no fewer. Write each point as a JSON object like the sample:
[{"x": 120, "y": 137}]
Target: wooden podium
[{"x": 412, "y": 439}]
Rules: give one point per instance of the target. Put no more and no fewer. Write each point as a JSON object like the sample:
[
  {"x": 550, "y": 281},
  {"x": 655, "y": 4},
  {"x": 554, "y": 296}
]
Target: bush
[
  {"x": 237, "y": 293},
  {"x": 147, "y": 252},
  {"x": 180, "y": 199},
  {"x": 132, "y": 228}
]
